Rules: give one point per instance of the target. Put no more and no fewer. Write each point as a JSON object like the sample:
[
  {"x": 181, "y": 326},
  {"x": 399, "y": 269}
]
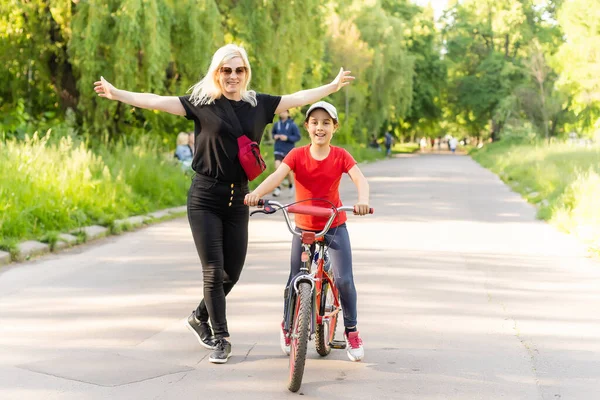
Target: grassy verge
[
  {"x": 562, "y": 180},
  {"x": 56, "y": 185},
  {"x": 50, "y": 185}
]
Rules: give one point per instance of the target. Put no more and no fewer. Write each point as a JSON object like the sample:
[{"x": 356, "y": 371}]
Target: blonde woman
[{"x": 216, "y": 211}]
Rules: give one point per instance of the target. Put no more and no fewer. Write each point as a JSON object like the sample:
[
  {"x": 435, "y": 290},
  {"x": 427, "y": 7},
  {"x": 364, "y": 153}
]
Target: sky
[{"x": 438, "y": 5}]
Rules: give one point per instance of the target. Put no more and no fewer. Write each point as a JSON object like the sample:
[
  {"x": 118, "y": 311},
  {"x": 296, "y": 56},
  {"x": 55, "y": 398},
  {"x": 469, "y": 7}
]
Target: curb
[{"x": 31, "y": 248}]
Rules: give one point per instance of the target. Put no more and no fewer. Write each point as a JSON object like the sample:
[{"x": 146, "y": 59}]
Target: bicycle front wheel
[{"x": 300, "y": 332}]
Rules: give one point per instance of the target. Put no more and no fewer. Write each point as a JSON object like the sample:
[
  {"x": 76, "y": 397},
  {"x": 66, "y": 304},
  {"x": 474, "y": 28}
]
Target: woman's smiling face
[
  {"x": 320, "y": 127},
  {"x": 232, "y": 76}
]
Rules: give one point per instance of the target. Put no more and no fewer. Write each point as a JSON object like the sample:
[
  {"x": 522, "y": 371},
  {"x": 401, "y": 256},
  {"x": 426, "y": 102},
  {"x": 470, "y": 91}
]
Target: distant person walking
[
  {"x": 389, "y": 140},
  {"x": 286, "y": 134},
  {"x": 423, "y": 144},
  {"x": 453, "y": 143}
]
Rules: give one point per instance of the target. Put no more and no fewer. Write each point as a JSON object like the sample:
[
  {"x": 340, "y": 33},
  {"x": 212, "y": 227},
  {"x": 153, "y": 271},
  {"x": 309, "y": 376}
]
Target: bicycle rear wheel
[
  {"x": 299, "y": 340},
  {"x": 325, "y": 332}
]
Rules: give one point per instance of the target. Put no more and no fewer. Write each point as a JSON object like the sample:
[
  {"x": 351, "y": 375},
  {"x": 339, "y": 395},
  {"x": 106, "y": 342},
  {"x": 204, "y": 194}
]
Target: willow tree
[
  {"x": 390, "y": 75},
  {"x": 284, "y": 41},
  {"x": 34, "y": 38},
  {"x": 429, "y": 81},
  {"x": 346, "y": 48},
  {"x": 157, "y": 46}
]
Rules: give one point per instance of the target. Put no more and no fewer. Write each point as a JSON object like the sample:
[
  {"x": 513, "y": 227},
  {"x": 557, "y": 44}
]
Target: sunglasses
[{"x": 229, "y": 70}]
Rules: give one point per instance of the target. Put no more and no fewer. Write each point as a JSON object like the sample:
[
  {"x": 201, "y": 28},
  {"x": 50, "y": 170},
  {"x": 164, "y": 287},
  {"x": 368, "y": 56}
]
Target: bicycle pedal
[{"x": 338, "y": 344}]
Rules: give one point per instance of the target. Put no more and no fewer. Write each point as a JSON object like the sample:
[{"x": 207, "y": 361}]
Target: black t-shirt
[{"x": 216, "y": 145}]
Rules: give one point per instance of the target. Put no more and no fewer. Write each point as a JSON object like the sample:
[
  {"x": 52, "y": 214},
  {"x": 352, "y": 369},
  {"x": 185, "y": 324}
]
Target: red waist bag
[
  {"x": 250, "y": 158},
  {"x": 248, "y": 150}
]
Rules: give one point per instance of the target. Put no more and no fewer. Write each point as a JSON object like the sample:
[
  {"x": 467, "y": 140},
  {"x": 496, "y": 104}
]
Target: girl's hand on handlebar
[
  {"x": 361, "y": 209},
  {"x": 251, "y": 199}
]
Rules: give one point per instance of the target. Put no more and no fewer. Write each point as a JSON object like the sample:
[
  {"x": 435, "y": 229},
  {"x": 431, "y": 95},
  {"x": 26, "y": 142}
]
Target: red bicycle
[{"x": 314, "y": 303}]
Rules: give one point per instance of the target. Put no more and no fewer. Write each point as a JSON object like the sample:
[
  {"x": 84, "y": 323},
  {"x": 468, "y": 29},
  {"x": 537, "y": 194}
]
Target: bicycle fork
[{"x": 304, "y": 275}]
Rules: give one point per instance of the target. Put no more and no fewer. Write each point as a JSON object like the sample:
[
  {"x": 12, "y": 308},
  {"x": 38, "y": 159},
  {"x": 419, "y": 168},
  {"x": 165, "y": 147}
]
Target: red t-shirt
[{"x": 318, "y": 179}]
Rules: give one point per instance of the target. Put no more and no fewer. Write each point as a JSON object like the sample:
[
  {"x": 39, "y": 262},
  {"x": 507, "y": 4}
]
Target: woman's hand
[
  {"x": 105, "y": 89},
  {"x": 342, "y": 79},
  {"x": 251, "y": 199},
  {"x": 361, "y": 209}
]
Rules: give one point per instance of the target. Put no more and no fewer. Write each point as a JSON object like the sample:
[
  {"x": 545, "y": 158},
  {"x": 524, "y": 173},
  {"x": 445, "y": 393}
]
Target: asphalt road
[{"x": 462, "y": 295}]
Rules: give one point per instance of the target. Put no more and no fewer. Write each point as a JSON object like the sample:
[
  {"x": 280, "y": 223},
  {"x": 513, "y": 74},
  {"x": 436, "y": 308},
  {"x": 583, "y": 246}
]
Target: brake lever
[{"x": 267, "y": 209}]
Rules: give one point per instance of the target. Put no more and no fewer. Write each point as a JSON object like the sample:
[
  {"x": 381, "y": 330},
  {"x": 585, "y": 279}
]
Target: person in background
[
  {"x": 389, "y": 140},
  {"x": 286, "y": 134},
  {"x": 423, "y": 144},
  {"x": 373, "y": 143},
  {"x": 453, "y": 142},
  {"x": 183, "y": 152}
]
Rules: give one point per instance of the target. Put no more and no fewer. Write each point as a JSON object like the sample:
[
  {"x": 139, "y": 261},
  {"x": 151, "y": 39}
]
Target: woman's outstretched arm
[
  {"x": 170, "y": 104},
  {"x": 309, "y": 96}
]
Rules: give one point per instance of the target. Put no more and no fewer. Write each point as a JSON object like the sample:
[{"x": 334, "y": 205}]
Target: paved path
[{"x": 462, "y": 295}]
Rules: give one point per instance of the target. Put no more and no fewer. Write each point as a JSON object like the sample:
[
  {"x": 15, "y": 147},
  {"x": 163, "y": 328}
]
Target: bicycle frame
[
  {"x": 309, "y": 311},
  {"x": 315, "y": 278}
]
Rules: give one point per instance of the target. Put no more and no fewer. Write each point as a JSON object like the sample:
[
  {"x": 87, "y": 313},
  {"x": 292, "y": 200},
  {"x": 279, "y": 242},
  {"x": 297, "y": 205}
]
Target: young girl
[{"x": 318, "y": 169}]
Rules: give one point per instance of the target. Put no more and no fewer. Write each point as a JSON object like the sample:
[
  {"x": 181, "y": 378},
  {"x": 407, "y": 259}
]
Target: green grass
[
  {"x": 58, "y": 185},
  {"x": 563, "y": 180},
  {"x": 405, "y": 148}
]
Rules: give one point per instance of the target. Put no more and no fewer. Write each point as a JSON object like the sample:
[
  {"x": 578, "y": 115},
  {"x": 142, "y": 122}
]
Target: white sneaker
[
  {"x": 354, "y": 346},
  {"x": 276, "y": 192}
]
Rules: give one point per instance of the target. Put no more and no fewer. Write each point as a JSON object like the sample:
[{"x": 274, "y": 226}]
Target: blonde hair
[
  {"x": 182, "y": 139},
  {"x": 209, "y": 89}
]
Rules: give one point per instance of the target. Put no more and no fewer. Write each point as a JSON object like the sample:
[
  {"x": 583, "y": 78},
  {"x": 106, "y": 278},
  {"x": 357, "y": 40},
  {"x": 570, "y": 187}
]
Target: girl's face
[
  {"x": 320, "y": 127},
  {"x": 232, "y": 76}
]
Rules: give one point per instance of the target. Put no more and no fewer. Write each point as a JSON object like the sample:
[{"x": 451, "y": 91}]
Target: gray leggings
[{"x": 340, "y": 253}]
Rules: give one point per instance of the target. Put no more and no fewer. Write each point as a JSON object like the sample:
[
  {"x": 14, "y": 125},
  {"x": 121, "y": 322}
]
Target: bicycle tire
[
  {"x": 300, "y": 332},
  {"x": 325, "y": 331}
]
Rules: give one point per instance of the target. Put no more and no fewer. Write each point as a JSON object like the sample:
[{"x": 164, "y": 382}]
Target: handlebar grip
[
  {"x": 371, "y": 210},
  {"x": 261, "y": 202}
]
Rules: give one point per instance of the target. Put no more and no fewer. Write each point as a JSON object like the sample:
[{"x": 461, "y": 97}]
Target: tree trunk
[
  {"x": 495, "y": 131},
  {"x": 61, "y": 71}
]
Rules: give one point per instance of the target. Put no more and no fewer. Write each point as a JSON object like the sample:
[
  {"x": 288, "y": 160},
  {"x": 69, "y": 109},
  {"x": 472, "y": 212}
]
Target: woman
[{"x": 216, "y": 211}]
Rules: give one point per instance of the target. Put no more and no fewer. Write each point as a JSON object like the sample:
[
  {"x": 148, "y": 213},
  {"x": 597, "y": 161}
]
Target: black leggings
[{"x": 219, "y": 222}]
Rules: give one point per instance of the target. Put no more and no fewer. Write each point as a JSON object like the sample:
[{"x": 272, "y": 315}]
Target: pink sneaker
[
  {"x": 284, "y": 341},
  {"x": 354, "y": 346}
]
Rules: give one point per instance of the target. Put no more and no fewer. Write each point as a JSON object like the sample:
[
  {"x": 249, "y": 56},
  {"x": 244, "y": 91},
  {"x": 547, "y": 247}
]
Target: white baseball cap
[{"x": 329, "y": 109}]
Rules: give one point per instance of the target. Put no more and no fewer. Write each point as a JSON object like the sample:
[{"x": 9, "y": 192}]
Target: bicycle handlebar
[{"x": 306, "y": 210}]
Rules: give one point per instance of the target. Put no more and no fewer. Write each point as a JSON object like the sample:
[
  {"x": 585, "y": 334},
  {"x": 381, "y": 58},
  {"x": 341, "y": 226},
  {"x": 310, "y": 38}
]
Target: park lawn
[
  {"x": 50, "y": 185},
  {"x": 562, "y": 180}
]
